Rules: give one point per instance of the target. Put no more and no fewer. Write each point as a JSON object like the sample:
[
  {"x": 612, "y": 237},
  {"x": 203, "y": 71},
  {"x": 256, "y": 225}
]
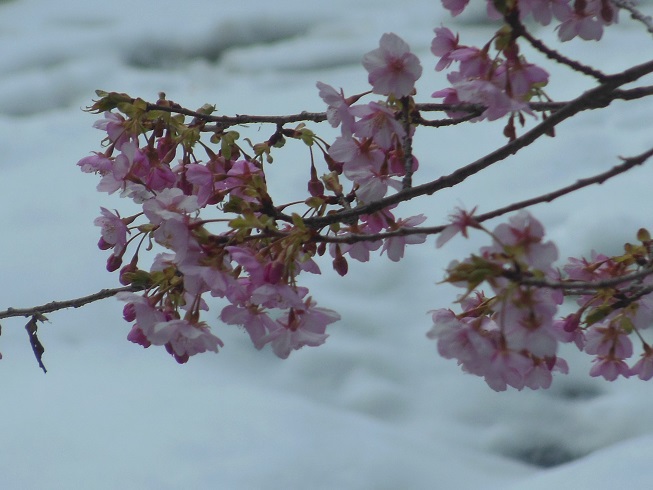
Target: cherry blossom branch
[
  {"x": 519, "y": 30},
  {"x": 60, "y": 305},
  {"x": 597, "y": 97},
  {"x": 474, "y": 110},
  {"x": 628, "y": 164}
]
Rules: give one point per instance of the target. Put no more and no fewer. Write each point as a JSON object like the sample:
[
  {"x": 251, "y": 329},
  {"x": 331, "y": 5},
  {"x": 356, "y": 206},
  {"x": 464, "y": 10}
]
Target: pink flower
[
  {"x": 609, "y": 368},
  {"x": 359, "y": 250},
  {"x": 338, "y": 111},
  {"x": 483, "y": 92},
  {"x": 587, "y": 23},
  {"x": 145, "y": 314},
  {"x": 393, "y": 69},
  {"x": 644, "y": 367},
  {"x": 257, "y": 323},
  {"x": 175, "y": 234},
  {"x": 114, "y": 231},
  {"x": 608, "y": 341},
  {"x": 240, "y": 176},
  {"x": 443, "y": 44},
  {"x": 98, "y": 163},
  {"x": 460, "y": 221},
  {"x": 540, "y": 375},
  {"x": 169, "y": 204},
  {"x": 455, "y": 6},
  {"x": 183, "y": 338},
  {"x": 395, "y": 245},
  {"x": 544, "y": 10},
  {"x": 207, "y": 181},
  {"x": 115, "y": 178},
  {"x": 379, "y": 124},
  {"x": 523, "y": 236},
  {"x": 524, "y": 78},
  {"x": 113, "y": 124},
  {"x": 300, "y": 327}
]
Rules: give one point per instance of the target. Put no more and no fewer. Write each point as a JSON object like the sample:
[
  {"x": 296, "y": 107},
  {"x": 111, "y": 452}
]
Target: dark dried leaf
[{"x": 34, "y": 341}]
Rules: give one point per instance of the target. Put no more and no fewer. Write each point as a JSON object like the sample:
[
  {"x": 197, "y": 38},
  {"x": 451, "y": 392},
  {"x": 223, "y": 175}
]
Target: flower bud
[
  {"x": 127, "y": 273},
  {"x": 129, "y": 312},
  {"x": 103, "y": 245},
  {"x": 114, "y": 262},
  {"x": 315, "y": 187}
]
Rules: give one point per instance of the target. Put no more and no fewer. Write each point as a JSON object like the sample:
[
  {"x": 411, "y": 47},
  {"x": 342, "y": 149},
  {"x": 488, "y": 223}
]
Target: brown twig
[
  {"x": 629, "y": 163},
  {"x": 519, "y": 30},
  {"x": 635, "y": 13},
  {"x": 60, "y": 305},
  {"x": 597, "y": 97}
]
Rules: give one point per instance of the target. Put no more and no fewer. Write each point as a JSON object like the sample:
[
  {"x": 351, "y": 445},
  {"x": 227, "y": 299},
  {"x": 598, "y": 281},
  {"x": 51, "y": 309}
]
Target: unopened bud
[
  {"x": 103, "y": 244},
  {"x": 315, "y": 188},
  {"x": 114, "y": 262}
]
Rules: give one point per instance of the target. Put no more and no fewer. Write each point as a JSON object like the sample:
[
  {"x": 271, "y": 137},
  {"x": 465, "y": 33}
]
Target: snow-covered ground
[{"x": 373, "y": 408}]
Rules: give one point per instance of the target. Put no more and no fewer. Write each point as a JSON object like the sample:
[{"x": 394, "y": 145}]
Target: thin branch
[
  {"x": 596, "y": 179},
  {"x": 600, "y": 96},
  {"x": 407, "y": 143},
  {"x": 628, "y": 164},
  {"x": 474, "y": 110},
  {"x": 583, "y": 285},
  {"x": 60, "y": 305},
  {"x": 519, "y": 30},
  {"x": 635, "y": 13}
]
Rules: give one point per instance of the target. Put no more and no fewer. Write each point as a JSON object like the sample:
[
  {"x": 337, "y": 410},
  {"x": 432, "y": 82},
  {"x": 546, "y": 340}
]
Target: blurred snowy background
[{"x": 375, "y": 407}]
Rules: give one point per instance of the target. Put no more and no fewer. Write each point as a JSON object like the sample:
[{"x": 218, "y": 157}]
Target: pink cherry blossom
[
  {"x": 586, "y": 20},
  {"x": 523, "y": 235},
  {"x": 256, "y": 322},
  {"x": 114, "y": 125},
  {"x": 460, "y": 221},
  {"x": 483, "y": 92},
  {"x": 644, "y": 367},
  {"x": 300, "y": 327},
  {"x": 455, "y": 6},
  {"x": 393, "y": 69},
  {"x": 114, "y": 231},
  {"x": 378, "y": 123},
  {"x": 96, "y": 163},
  {"x": 240, "y": 176},
  {"x": 169, "y": 204},
  {"x": 521, "y": 78},
  {"x": 609, "y": 368},
  {"x": 184, "y": 338},
  {"x": 443, "y": 44},
  {"x": 396, "y": 245},
  {"x": 175, "y": 234},
  {"x": 608, "y": 341},
  {"x": 338, "y": 111}
]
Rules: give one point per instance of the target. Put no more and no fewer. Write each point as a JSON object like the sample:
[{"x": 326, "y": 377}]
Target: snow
[{"x": 375, "y": 407}]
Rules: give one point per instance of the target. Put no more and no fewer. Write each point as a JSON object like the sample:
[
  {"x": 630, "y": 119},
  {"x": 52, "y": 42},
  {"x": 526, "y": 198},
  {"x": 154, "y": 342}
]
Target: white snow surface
[{"x": 373, "y": 408}]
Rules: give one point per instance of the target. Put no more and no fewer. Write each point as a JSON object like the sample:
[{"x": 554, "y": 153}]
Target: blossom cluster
[
  {"x": 512, "y": 338},
  {"x": 206, "y": 204},
  {"x": 582, "y": 18},
  {"x": 502, "y": 85},
  {"x": 371, "y": 147},
  {"x": 254, "y": 263}
]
